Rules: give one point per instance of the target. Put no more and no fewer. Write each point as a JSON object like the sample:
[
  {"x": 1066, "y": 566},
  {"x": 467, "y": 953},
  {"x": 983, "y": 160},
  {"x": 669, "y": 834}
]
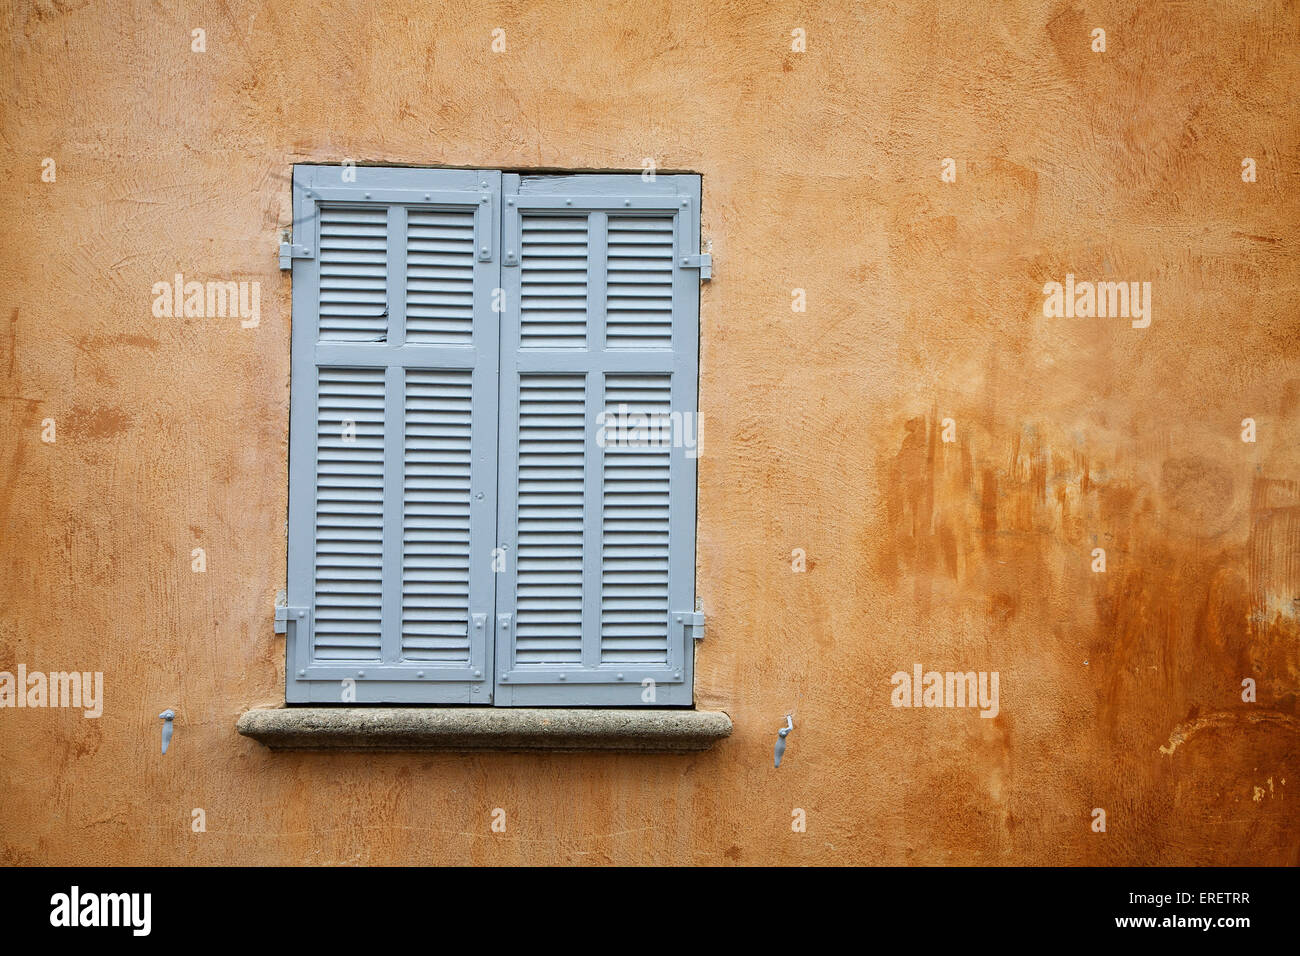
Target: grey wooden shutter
[
  {"x": 393, "y": 424},
  {"x": 595, "y": 604}
]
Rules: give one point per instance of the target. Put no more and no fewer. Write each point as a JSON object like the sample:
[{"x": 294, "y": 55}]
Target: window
[{"x": 492, "y": 438}]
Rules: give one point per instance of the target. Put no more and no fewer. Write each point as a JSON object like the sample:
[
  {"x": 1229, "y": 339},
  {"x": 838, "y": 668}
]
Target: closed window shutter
[
  {"x": 599, "y": 526},
  {"x": 393, "y": 429}
]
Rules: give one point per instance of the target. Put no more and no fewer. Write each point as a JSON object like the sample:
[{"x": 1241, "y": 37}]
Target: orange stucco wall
[{"x": 823, "y": 429}]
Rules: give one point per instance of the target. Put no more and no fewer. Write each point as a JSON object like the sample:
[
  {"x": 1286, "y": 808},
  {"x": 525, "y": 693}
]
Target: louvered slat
[
  {"x": 353, "y": 270},
  {"x": 549, "y": 534},
  {"x": 635, "y": 514},
  {"x": 349, "y": 513},
  {"x": 436, "y": 520},
  {"x": 640, "y": 285},
  {"x": 553, "y": 282},
  {"x": 440, "y": 277}
]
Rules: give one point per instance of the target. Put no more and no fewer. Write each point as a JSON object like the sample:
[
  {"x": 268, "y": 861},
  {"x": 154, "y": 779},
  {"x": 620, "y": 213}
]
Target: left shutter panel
[{"x": 392, "y": 460}]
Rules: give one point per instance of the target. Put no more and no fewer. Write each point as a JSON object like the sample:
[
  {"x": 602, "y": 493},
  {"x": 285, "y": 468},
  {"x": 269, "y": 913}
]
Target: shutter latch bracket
[
  {"x": 703, "y": 262},
  {"x": 293, "y": 250},
  {"x": 692, "y": 622}
]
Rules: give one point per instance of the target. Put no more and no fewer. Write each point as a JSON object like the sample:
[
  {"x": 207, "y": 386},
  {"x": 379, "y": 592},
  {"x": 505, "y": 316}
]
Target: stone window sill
[{"x": 485, "y": 728}]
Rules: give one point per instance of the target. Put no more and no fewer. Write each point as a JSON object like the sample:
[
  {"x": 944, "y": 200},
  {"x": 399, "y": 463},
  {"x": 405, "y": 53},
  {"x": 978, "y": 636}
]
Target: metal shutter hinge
[
  {"x": 293, "y": 250},
  {"x": 483, "y": 227},
  {"x": 693, "y": 622},
  {"x": 703, "y": 262},
  {"x": 283, "y": 615}
]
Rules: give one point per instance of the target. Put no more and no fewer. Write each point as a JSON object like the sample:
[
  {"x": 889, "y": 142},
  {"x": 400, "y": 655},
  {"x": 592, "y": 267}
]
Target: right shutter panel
[{"x": 601, "y": 328}]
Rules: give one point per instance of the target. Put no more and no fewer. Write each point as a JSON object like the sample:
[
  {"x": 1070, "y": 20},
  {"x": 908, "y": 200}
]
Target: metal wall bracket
[
  {"x": 692, "y": 622},
  {"x": 703, "y": 262},
  {"x": 781, "y": 734},
  {"x": 293, "y": 250},
  {"x": 167, "y": 716}
]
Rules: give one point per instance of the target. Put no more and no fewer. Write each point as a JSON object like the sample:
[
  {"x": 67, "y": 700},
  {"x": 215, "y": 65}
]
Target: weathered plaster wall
[{"x": 821, "y": 171}]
